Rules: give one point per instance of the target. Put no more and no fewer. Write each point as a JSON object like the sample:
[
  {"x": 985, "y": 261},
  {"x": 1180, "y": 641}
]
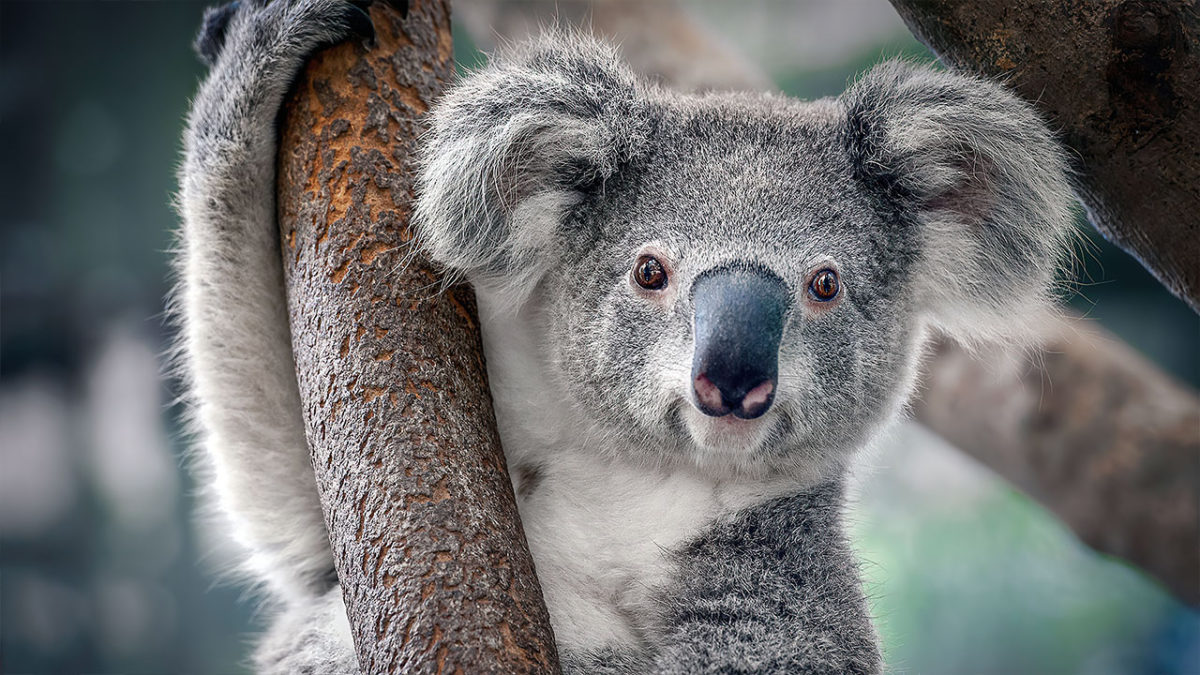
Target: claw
[
  {"x": 211, "y": 37},
  {"x": 359, "y": 20},
  {"x": 400, "y": 5}
]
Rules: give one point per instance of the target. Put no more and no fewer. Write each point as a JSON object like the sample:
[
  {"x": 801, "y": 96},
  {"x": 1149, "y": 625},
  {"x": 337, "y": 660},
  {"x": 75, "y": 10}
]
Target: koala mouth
[{"x": 730, "y": 435}]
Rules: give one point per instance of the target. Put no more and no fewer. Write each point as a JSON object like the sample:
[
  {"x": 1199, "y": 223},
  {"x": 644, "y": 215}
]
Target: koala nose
[{"x": 738, "y": 323}]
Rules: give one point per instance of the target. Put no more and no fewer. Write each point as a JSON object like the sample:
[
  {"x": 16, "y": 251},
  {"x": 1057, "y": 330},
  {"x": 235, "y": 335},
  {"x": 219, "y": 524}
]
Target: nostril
[
  {"x": 717, "y": 401},
  {"x": 708, "y": 395},
  {"x": 756, "y": 401}
]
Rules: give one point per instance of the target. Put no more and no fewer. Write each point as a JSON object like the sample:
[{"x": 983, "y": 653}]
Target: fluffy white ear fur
[
  {"x": 512, "y": 149},
  {"x": 982, "y": 178}
]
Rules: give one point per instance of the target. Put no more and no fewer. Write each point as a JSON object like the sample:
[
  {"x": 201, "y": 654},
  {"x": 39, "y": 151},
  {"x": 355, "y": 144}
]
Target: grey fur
[
  {"x": 664, "y": 541},
  {"x": 311, "y": 638},
  {"x": 773, "y": 590}
]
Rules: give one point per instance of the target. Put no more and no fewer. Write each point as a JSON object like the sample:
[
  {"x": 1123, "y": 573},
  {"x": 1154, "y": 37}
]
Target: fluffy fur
[{"x": 665, "y": 540}]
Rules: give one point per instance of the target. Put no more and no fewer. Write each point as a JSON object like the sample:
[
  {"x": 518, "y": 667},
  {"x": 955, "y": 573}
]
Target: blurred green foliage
[{"x": 1000, "y": 586}]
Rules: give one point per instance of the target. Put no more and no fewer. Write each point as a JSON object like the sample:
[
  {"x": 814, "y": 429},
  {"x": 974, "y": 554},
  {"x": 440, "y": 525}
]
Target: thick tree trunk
[
  {"x": 430, "y": 553},
  {"x": 1120, "y": 80}
]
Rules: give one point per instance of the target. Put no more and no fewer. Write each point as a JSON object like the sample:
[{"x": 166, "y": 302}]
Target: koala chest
[
  {"x": 598, "y": 528},
  {"x": 600, "y": 534}
]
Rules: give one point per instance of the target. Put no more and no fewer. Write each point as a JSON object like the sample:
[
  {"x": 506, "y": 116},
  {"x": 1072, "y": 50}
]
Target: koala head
[{"x": 741, "y": 280}]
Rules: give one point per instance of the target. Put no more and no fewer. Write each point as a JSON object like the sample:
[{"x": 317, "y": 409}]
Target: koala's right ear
[{"x": 513, "y": 148}]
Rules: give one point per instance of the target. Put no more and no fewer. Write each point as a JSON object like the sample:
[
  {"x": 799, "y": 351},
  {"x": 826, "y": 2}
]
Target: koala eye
[
  {"x": 824, "y": 285},
  {"x": 649, "y": 273}
]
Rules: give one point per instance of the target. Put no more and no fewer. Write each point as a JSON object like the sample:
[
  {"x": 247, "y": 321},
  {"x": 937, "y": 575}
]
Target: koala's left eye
[
  {"x": 824, "y": 285},
  {"x": 649, "y": 273}
]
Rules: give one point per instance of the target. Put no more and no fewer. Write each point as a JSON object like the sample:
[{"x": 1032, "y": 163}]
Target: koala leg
[
  {"x": 309, "y": 637},
  {"x": 234, "y": 345},
  {"x": 773, "y": 590},
  {"x": 605, "y": 662}
]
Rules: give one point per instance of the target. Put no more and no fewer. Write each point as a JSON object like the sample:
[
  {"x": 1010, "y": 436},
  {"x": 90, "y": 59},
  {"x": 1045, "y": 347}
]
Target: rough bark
[
  {"x": 431, "y": 556},
  {"x": 1092, "y": 431},
  {"x": 1120, "y": 79},
  {"x": 1109, "y": 443}
]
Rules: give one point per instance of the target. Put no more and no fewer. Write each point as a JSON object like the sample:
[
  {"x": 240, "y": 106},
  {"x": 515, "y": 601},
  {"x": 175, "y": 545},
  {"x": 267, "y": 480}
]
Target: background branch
[
  {"x": 434, "y": 566},
  {"x": 1091, "y": 430}
]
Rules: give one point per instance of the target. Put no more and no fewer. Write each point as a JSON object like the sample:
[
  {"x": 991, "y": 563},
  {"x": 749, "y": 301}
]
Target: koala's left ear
[
  {"x": 513, "y": 147},
  {"x": 980, "y": 177}
]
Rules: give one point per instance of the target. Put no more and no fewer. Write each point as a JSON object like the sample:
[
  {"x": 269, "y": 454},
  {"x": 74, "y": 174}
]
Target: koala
[{"x": 697, "y": 309}]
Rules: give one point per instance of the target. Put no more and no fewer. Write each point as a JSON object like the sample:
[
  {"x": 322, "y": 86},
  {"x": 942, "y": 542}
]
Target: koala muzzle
[{"x": 738, "y": 323}]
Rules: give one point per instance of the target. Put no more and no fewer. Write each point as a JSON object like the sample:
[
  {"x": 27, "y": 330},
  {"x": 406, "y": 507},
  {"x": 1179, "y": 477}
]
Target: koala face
[
  {"x": 733, "y": 298},
  {"x": 741, "y": 281}
]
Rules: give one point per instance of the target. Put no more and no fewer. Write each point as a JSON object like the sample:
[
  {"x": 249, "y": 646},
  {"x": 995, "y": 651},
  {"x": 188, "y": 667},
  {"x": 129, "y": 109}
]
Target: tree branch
[
  {"x": 434, "y": 566},
  {"x": 1120, "y": 79}
]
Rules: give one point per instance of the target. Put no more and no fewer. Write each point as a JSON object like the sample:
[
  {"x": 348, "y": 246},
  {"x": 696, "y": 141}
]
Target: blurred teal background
[{"x": 103, "y": 566}]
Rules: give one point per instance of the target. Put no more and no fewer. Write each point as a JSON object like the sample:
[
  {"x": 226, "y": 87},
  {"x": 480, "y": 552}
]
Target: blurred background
[{"x": 103, "y": 567}]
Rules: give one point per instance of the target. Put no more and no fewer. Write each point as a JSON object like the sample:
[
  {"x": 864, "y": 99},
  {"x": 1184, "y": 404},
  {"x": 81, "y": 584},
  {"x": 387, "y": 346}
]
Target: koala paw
[{"x": 285, "y": 30}]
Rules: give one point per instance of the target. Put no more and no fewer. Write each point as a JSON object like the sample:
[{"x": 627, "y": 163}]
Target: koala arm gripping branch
[{"x": 235, "y": 350}]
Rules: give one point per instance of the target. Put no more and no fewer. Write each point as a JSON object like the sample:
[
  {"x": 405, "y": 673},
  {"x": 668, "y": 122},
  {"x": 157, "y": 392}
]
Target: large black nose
[{"x": 738, "y": 322}]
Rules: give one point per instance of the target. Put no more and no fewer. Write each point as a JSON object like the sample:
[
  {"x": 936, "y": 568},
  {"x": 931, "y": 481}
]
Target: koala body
[{"x": 696, "y": 309}]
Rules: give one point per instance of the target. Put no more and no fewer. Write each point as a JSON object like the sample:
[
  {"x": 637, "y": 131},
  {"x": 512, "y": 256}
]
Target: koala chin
[{"x": 696, "y": 309}]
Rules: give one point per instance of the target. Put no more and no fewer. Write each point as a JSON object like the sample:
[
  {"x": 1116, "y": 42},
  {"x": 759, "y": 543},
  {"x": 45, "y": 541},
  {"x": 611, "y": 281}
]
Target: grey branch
[{"x": 1092, "y": 431}]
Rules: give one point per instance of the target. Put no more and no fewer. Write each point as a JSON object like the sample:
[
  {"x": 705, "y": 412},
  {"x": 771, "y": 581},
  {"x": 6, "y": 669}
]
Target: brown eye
[
  {"x": 824, "y": 285},
  {"x": 649, "y": 273}
]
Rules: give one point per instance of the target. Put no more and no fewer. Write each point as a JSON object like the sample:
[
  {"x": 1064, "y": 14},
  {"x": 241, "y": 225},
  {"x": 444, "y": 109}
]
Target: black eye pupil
[
  {"x": 825, "y": 285},
  {"x": 649, "y": 273}
]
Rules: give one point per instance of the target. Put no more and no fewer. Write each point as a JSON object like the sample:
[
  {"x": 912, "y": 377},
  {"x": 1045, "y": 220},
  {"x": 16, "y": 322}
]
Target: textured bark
[
  {"x": 1108, "y": 443},
  {"x": 1091, "y": 430},
  {"x": 432, "y": 559},
  {"x": 1120, "y": 79}
]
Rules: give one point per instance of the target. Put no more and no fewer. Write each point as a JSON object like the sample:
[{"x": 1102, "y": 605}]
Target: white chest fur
[{"x": 599, "y": 532}]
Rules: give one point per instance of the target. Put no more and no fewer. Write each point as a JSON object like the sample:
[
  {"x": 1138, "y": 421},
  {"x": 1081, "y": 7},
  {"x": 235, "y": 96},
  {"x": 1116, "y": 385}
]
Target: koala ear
[
  {"x": 977, "y": 173},
  {"x": 514, "y": 147}
]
